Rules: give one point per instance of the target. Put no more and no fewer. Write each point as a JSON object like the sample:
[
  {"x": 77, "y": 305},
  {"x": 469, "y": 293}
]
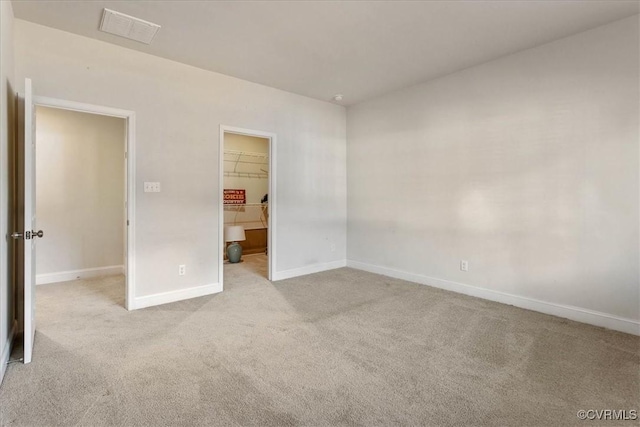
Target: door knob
[{"x": 28, "y": 235}]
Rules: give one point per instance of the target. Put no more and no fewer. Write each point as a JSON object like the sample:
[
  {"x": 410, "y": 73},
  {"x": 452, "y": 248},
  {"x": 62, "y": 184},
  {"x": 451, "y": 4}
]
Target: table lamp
[{"x": 234, "y": 234}]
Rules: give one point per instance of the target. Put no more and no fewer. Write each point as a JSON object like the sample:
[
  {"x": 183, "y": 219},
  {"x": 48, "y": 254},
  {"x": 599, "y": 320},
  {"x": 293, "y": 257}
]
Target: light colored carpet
[{"x": 343, "y": 347}]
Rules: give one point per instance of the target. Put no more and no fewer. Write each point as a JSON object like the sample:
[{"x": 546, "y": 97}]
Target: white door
[{"x": 29, "y": 235}]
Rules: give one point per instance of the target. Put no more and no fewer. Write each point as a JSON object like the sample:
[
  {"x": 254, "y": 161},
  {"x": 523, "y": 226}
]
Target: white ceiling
[{"x": 319, "y": 48}]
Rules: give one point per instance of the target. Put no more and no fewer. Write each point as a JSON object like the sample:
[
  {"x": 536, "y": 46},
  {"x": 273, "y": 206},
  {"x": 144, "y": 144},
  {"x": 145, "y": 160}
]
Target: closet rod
[
  {"x": 246, "y": 175},
  {"x": 245, "y": 162},
  {"x": 247, "y": 153},
  {"x": 250, "y": 205}
]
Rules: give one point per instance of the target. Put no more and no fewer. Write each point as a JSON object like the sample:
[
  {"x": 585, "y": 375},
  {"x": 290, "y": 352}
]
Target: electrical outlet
[
  {"x": 464, "y": 265},
  {"x": 182, "y": 270},
  {"x": 151, "y": 187}
]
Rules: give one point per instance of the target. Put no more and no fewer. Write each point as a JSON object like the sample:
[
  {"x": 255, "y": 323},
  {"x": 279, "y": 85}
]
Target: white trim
[
  {"x": 81, "y": 107},
  {"x": 179, "y": 295},
  {"x": 271, "y": 226},
  {"x": 578, "y": 314},
  {"x": 6, "y": 351},
  {"x": 130, "y": 144},
  {"x": 221, "y": 207},
  {"x": 29, "y": 215},
  {"x": 130, "y": 261},
  {"x": 310, "y": 269},
  {"x": 65, "y": 276}
]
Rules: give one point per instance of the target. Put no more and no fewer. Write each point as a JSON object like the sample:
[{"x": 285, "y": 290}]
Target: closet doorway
[
  {"x": 247, "y": 202},
  {"x": 81, "y": 194}
]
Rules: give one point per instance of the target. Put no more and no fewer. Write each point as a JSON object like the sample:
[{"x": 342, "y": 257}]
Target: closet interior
[{"x": 246, "y": 188}]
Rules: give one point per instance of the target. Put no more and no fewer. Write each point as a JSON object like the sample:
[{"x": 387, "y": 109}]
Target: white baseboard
[
  {"x": 578, "y": 314},
  {"x": 173, "y": 296},
  {"x": 6, "y": 351},
  {"x": 315, "y": 268},
  {"x": 65, "y": 276}
]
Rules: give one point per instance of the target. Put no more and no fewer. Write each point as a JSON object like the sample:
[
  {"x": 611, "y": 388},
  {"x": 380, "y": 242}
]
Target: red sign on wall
[{"x": 235, "y": 197}]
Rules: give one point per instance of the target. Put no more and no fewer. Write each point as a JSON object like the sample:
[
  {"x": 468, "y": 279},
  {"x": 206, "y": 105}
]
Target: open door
[{"x": 29, "y": 216}]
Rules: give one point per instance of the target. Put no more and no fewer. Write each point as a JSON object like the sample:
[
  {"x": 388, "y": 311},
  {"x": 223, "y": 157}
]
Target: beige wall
[
  {"x": 80, "y": 190},
  {"x": 178, "y": 113},
  {"x": 7, "y": 90},
  {"x": 526, "y": 166},
  {"x": 251, "y": 216}
]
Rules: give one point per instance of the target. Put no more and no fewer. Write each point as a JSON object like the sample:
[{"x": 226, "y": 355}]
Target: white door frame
[
  {"x": 271, "y": 223},
  {"x": 130, "y": 150}
]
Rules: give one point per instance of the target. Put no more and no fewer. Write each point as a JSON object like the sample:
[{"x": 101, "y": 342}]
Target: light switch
[{"x": 151, "y": 187}]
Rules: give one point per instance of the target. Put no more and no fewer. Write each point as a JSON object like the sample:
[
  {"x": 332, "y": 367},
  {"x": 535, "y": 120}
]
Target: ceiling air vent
[{"x": 127, "y": 26}]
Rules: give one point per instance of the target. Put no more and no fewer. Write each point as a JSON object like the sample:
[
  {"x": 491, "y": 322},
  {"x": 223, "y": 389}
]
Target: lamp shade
[{"x": 234, "y": 233}]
